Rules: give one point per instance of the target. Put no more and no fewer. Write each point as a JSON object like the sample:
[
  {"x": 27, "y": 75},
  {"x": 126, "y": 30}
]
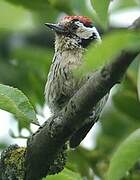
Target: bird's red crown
[{"x": 83, "y": 19}]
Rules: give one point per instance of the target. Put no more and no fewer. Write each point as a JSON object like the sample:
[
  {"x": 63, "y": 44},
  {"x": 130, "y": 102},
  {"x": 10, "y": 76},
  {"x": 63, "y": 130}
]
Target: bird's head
[{"x": 74, "y": 32}]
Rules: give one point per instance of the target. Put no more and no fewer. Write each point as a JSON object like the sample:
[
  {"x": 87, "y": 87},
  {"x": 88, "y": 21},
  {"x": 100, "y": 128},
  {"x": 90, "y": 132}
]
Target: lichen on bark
[{"x": 12, "y": 163}]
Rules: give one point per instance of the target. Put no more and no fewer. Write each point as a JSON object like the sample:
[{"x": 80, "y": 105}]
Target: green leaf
[
  {"x": 112, "y": 44},
  {"x": 101, "y": 8},
  {"x": 124, "y": 158},
  {"x": 14, "y": 101},
  {"x": 138, "y": 81},
  {"x": 66, "y": 174}
]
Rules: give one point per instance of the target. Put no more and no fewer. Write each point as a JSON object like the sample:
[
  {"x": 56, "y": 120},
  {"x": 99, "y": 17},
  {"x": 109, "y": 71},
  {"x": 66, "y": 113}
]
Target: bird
[{"x": 73, "y": 35}]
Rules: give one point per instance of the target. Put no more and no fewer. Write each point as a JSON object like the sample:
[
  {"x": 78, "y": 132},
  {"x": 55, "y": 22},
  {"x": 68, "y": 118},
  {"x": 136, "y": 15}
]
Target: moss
[{"x": 12, "y": 163}]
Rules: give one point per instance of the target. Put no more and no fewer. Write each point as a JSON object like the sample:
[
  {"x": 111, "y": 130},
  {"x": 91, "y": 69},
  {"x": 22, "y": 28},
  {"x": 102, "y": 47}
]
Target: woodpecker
[{"x": 73, "y": 34}]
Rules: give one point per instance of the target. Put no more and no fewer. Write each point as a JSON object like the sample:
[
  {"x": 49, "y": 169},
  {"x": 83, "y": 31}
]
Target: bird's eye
[{"x": 74, "y": 26}]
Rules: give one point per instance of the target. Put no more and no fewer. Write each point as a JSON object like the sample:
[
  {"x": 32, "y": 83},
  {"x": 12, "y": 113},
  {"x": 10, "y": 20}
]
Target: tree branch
[{"x": 44, "y": 146}]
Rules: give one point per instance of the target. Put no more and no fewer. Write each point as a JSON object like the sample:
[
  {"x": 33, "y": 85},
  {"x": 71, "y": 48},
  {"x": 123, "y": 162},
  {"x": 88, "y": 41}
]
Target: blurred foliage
[
  {"x": 26, "y": 51},
  {"x": 120, "y": 163}
]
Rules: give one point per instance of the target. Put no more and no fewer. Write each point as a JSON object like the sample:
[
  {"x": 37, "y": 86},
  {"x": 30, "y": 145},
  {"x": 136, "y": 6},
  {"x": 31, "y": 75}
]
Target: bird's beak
[{"x": 56, "y": 27}]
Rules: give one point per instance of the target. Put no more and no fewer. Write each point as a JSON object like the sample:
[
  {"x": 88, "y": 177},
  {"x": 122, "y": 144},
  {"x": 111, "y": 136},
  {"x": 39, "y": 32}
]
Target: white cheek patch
[
  {"x": 94, "y": 30},
  {"x": 86, "y": 32}
]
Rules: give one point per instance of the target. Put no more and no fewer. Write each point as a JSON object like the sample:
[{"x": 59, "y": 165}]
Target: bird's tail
[{"x": 80, "y": 134}]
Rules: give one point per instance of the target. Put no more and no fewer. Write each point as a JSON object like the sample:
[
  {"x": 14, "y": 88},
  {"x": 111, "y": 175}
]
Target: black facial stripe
[{"x": 86, "y": 42}]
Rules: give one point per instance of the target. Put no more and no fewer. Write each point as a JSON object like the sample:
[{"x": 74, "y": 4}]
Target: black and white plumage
[{"x": 73, "y": 35}]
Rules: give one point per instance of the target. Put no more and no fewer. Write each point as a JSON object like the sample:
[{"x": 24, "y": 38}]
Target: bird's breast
[{"x": 61, "y": 83}]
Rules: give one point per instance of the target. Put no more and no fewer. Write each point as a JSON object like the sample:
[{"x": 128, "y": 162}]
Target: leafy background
[{"x": 26, "y": 50}]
